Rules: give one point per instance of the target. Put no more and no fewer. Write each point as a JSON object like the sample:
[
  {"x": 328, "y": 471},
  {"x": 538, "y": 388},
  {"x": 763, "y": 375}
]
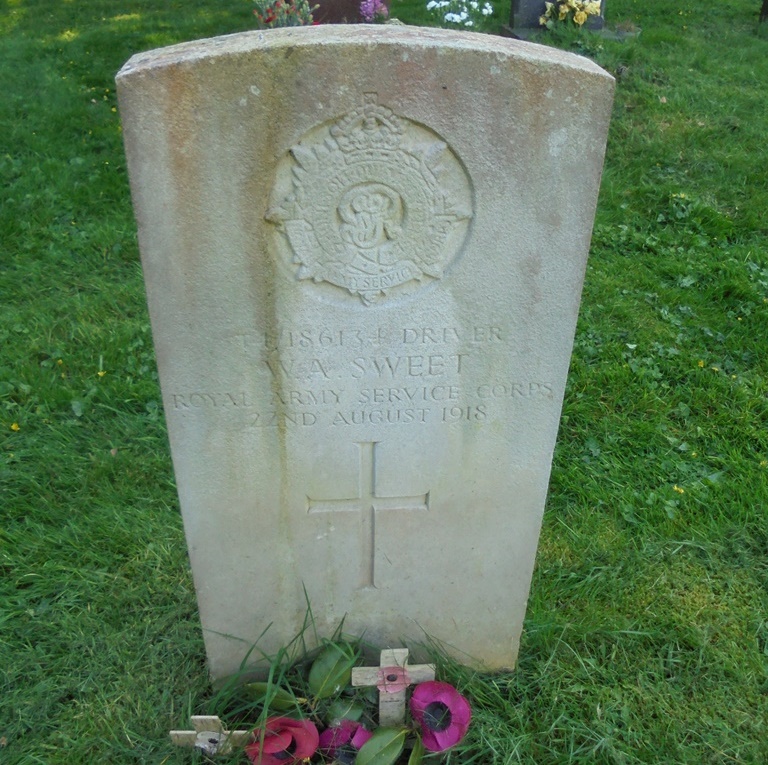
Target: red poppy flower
[
  {"x": 393, "y": 679},
  {"x": 443, "y": 714},
  {"x": 285, "y": 741},
  {"x": 341, "y": 742}
]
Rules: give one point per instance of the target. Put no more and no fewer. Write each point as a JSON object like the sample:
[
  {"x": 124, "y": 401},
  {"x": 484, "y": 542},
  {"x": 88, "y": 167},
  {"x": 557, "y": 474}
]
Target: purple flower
[
  {"x": 443, "y": 714},
  {"x": 341, "y": 742},
  {"x": 370, "y": 10}
]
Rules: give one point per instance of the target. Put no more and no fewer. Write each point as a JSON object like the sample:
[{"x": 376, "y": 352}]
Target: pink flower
[
  {"x": 370, "y": 10},
  {"x": 392, "y": 679},
  {"x": 286, "y": 741},
  {"x": 443, "y": 714},
  {"x": 341, "y": 742}
]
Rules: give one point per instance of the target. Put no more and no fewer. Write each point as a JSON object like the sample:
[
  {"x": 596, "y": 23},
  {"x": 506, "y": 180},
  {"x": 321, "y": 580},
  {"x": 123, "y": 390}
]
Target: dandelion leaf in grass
[
  {"x": 383, "y": 748},
  {"x": 332, "y": 670},
  {"x": 270, "y": 695}
]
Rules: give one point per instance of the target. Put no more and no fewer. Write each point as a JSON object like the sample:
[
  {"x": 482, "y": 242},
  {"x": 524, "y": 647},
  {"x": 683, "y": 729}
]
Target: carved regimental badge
[{"x": 371, "y": 203}]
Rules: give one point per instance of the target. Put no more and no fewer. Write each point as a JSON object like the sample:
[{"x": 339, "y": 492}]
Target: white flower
[
  {"x": 452, "y": 18},
  {"x": 431, "y": 4},
  {"x": 474, "y": 5},
  {"x": 463, "y": 16},
  {"x": 487, "y": 9},
  {"x": 468, "y": 23}
]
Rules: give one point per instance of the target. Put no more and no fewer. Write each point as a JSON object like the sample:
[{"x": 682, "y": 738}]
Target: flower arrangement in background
[
  {"x": 283, "y": 13},
  {"x": 373, "y": 10},
  {"x": 576, "y": 11},
  {"x": 465, "y": 13}
]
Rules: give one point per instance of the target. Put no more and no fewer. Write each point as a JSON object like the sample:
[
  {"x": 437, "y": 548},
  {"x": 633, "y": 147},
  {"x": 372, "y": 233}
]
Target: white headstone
[{"x": 363, "y": 248}]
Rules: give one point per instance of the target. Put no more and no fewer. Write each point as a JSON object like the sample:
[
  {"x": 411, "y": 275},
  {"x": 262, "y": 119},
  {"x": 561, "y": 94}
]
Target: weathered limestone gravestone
[{"x": 363, "y": 250}]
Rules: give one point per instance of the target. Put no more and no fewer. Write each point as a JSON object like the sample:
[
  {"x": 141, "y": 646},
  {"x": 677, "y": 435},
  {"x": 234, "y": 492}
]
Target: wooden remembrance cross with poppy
[
  {"x": 368, "y": 503},
  {"x": 392, "y": 677},
  {"x": 210, "y": 736}
]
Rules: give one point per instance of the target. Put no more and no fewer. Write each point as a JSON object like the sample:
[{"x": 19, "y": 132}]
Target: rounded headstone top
[{"x": 244, "y": 43}]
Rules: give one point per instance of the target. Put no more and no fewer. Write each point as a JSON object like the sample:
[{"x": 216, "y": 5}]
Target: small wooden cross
[
  {"x": 209, "y": 736},
  {"x": 392, "y": 677}
]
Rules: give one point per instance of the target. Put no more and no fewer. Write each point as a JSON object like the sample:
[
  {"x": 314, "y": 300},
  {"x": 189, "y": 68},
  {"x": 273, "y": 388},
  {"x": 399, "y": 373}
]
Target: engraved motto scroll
[{"x": 372, "y": 203}]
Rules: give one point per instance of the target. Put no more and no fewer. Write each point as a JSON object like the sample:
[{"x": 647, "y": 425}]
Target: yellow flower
[
  {"x": 542, "y": 21},
  {"x": 763, "y": 463},
  {"x": 101, "y": 373},
  {"x": 592, "y": 9},
  {"x": 701, "y": 365},
  {"x": 15, "y": 427},
  {"x": 579, "y": 17},
  {"x": 678, "y": 489}
]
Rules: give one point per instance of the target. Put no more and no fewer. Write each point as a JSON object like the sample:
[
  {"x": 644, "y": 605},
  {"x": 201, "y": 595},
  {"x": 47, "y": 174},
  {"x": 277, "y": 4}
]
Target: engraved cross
[{"x": 368, "y": 503}]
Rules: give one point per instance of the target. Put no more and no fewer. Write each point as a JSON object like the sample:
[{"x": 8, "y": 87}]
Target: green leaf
[
  {"x": 270, "y": 695},
  {"x": 344, "y": 709},
  {"x": 418, "y": 752},
  {"x": 332, "y": 670},
  {"x": 383, "y": 747}
]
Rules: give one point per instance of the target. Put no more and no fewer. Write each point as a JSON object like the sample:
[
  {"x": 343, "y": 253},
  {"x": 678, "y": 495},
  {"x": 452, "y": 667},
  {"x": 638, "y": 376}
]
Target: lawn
[{"x": 646, "y": 639}]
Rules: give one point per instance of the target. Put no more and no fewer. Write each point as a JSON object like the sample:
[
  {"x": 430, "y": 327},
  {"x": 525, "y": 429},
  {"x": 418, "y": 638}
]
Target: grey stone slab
[{"x": 363, "y": 248}]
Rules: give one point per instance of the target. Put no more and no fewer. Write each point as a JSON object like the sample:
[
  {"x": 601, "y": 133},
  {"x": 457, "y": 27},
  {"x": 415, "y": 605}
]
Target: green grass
[{"x": 647, "y": 632}]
